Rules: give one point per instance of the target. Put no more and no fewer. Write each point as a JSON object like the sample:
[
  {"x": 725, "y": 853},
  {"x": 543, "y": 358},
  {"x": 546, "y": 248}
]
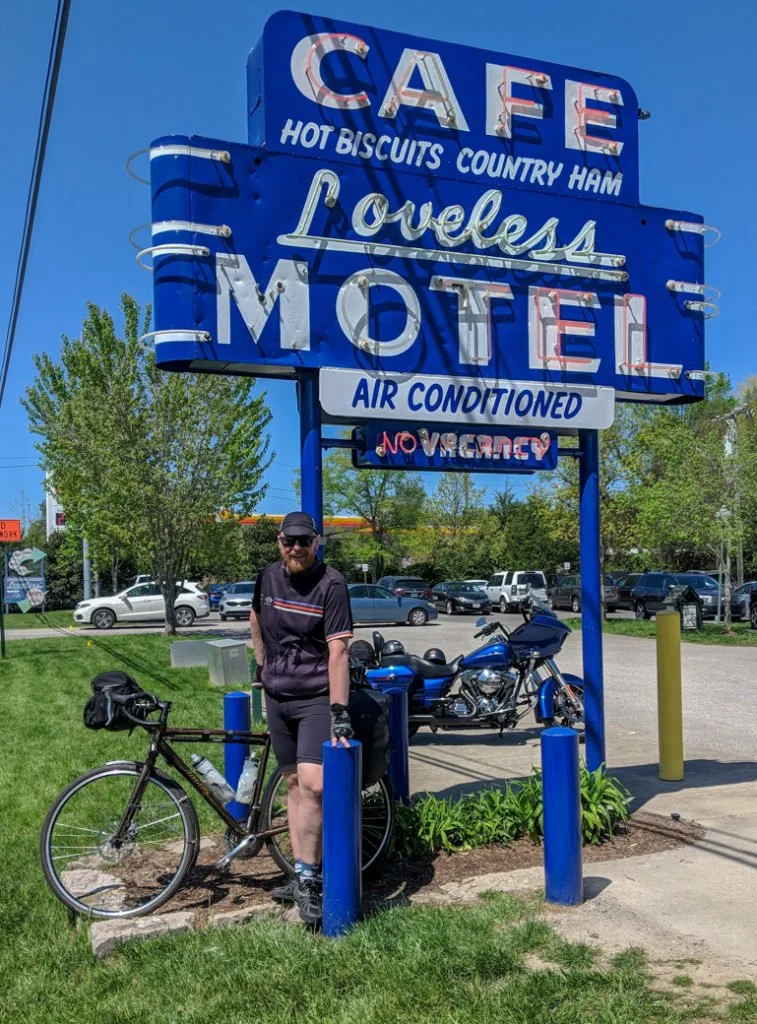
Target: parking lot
[{"x": 718, "y": 699}]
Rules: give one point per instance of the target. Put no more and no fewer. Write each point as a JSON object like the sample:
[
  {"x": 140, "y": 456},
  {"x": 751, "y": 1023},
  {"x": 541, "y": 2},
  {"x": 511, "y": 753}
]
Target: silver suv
[{"x": 507, "y": 590}]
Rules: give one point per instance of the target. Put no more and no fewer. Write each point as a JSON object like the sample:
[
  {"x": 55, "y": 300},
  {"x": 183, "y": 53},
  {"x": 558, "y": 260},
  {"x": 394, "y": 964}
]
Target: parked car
[
  {"x": 372, "y": 603},
  {"x": 406, "y": 586},
  {"x": 143, "y": 603},
  {"x": 615, "y": 575},
  {"x": 610, "y": 592},
  {"x": 625, "y": 586},
  {"x": 566, "y": 593},
  {"x": 481, "y": 584},
  {"x": 507, "y": 590},
  {"x": 459, "y": 596},
  {"x": 744, "y": 596},
  {"x": 753, "y": 607},
  {"x": 215, "y": 593},
  {"x": 652, "y": 588},
  {"x": 236, "y": 601}
]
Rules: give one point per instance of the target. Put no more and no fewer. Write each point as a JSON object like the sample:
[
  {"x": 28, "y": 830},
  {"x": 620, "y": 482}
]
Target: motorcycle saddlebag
[
  {"x": 369, "y": 712},
  {"x": 100, "y": 712}
]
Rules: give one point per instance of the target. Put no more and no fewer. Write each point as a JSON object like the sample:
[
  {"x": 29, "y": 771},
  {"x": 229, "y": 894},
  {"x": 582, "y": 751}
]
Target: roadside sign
[
  {"x": 452, "y": 449},
  {"x": 23, "y": 562},
  {"x": 410, "y": 211},
  {"x": 55, "y": 517},
  {"x": 21, "y": 588},
  {"x": 336, "y": 91},
  {"x": 10, "y": 531},
  {"x": 324, "y": 266}
]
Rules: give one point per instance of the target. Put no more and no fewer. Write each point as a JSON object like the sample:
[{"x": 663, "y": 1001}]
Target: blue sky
[{"x": 134, "y": 71}]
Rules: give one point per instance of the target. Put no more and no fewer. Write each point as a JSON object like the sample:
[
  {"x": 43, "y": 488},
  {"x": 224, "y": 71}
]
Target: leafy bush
[{"x": 429, "y": 824}]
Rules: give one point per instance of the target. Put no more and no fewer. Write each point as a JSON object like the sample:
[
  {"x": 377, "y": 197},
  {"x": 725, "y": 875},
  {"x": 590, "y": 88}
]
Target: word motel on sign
[
  {"x": 423, "y": 233},
  {"x": 503, "y": 105}
]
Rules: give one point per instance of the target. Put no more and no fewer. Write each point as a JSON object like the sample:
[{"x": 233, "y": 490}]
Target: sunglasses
[{"x": 304, "y": 540}]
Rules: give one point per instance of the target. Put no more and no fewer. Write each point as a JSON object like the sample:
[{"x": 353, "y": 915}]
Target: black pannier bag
[
  {"x": 369, "y": 713},
  {"x": 100, "y": 711}
]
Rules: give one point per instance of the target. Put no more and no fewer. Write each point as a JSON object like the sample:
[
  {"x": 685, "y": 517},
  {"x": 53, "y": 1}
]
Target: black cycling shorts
[{"x": 298, "y": 729}]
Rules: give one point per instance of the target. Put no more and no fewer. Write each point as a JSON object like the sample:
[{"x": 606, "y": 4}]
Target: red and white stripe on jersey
[{"x": 298, "y": 607}]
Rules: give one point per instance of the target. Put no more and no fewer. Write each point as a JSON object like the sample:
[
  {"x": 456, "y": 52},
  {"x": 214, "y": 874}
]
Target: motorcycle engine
[
  {"x": 487, "y": 689},
  {"x": 488, "y": 681}
]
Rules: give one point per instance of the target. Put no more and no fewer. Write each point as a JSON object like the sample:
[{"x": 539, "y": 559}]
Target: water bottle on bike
[{"x": 212, "y": 778}]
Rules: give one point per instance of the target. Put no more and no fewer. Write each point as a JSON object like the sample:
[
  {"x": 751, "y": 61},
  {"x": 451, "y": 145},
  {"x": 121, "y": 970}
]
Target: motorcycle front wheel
[{"x": 565, "y": 713}]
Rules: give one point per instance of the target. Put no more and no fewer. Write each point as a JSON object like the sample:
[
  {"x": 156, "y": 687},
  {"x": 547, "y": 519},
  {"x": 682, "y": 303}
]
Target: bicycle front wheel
[
  {"x": 377, "y": 823},
  {"x": 95, "y": 874}
]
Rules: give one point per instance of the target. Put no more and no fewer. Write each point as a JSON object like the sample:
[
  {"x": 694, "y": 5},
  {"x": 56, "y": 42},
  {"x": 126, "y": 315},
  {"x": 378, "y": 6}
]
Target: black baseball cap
[{"x": 298, "y": 522}]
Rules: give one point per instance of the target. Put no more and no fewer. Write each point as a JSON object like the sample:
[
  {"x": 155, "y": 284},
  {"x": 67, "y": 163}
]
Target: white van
[{"x": 506, "y": 590}]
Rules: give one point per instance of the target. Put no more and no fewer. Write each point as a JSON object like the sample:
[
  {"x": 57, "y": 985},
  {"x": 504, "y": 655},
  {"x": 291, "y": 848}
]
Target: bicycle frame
[{"x": 161, "y": 737}]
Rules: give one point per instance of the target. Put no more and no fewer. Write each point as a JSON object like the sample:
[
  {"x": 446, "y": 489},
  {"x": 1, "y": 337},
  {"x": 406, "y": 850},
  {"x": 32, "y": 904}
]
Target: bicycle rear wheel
[
  {"x": 377, "y": 828},
  {"x": 92, "y": 873}
]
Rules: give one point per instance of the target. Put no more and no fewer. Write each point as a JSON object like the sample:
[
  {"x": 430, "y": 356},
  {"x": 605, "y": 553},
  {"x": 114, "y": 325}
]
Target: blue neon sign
[
  {"x": 332, "y": 90},
  {"x": 268, "y": 263},
  {"x": 387, "y": 445}
]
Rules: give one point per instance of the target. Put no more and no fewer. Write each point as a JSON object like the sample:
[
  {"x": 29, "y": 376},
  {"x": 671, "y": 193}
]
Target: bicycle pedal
[{"x": 227, "y": 858}]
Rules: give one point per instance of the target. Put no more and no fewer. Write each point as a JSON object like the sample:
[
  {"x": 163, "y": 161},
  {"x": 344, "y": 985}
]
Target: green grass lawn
[
  {"x": 713, "y": 633},
  {"x": 414, "y": 965},
  {"x": 39, "y": 620}
]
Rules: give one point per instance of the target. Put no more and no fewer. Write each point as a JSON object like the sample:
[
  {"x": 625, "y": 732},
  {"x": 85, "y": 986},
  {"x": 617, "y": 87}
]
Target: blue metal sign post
[
  {"x": 420, "y": 233},
  {"x": 591, "y": 598},
  {"x": 311, "y": 473}
]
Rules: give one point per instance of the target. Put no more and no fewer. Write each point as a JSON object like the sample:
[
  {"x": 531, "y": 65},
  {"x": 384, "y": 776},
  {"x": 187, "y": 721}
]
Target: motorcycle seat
[{"x": 425, "y": 669}]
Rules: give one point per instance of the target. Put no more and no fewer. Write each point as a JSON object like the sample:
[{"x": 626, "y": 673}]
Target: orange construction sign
[{"x": 10, "y": 531}]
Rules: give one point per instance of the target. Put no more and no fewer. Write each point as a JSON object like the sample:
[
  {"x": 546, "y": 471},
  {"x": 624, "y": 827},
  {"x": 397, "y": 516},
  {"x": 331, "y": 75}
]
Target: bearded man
[{"x": 300, "y": 624}]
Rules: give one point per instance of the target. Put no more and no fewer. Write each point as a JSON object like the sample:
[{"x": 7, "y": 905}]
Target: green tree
[
  {"x": 389, "y": 502},
  {"x": 143, "y": 458},
  {"x": 618, "y": 522},
  {"x": 449, "y": 544},
  {"x": 686, "y": 484}
]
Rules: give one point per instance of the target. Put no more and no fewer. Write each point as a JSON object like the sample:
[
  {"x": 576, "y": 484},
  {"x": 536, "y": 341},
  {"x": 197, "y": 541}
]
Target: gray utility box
[
  {"x": 228, "y": 662},
  {"x": 685, "y": 600},
  {"x": 189, "y": 654}
]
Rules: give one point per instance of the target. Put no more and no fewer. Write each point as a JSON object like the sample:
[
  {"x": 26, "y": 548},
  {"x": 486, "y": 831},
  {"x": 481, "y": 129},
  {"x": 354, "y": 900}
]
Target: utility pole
[{"x": 87, "y": 570}]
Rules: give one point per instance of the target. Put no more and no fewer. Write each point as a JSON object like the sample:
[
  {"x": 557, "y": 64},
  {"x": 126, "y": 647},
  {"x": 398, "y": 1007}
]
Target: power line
[{"x": 43, "y": 132}]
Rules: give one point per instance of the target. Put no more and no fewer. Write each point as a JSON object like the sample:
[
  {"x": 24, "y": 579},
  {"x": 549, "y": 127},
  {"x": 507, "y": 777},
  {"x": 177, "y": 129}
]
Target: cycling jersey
[{"x": 299, "y": 614}]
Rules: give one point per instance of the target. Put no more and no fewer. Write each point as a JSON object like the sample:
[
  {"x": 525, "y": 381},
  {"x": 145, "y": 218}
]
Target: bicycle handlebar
[{"x": 148, "y": 703}]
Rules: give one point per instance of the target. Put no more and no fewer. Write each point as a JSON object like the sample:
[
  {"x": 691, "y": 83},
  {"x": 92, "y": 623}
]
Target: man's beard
[{"x": 294, "y": 565}]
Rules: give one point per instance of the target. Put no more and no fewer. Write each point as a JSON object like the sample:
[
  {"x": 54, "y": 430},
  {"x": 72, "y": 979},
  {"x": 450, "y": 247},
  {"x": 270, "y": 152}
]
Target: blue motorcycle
[{"x": 494, "y": 686}]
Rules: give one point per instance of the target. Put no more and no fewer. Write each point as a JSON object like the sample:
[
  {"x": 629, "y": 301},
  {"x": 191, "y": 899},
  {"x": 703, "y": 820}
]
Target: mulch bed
[{"x": 250, "y": 881}]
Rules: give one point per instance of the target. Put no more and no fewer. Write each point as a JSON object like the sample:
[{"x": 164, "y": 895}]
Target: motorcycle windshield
[{"x": 542, "y": 637}]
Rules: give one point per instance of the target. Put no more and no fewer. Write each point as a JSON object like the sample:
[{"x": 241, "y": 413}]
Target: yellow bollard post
[{"x": 669, "y": 708}]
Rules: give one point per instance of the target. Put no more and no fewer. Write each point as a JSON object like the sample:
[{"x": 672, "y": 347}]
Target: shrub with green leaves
[{"x": 429, "y": 824}]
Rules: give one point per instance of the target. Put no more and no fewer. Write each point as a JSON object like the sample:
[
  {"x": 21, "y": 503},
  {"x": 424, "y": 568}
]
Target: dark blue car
[{"x": 215, "y": 592}]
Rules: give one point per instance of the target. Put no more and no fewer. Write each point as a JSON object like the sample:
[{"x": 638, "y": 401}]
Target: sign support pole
[
  {"x": 310, "y": 446},
  {"x": 2, "y": 605},
  {"x": 591, "y": 598}
]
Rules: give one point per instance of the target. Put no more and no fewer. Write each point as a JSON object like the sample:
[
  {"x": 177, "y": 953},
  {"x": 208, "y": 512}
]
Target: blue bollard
[
  {"x": 563, "y": 869},
  {"x": 342, "y": 822},
  {"x": 236, "y": 716}
]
